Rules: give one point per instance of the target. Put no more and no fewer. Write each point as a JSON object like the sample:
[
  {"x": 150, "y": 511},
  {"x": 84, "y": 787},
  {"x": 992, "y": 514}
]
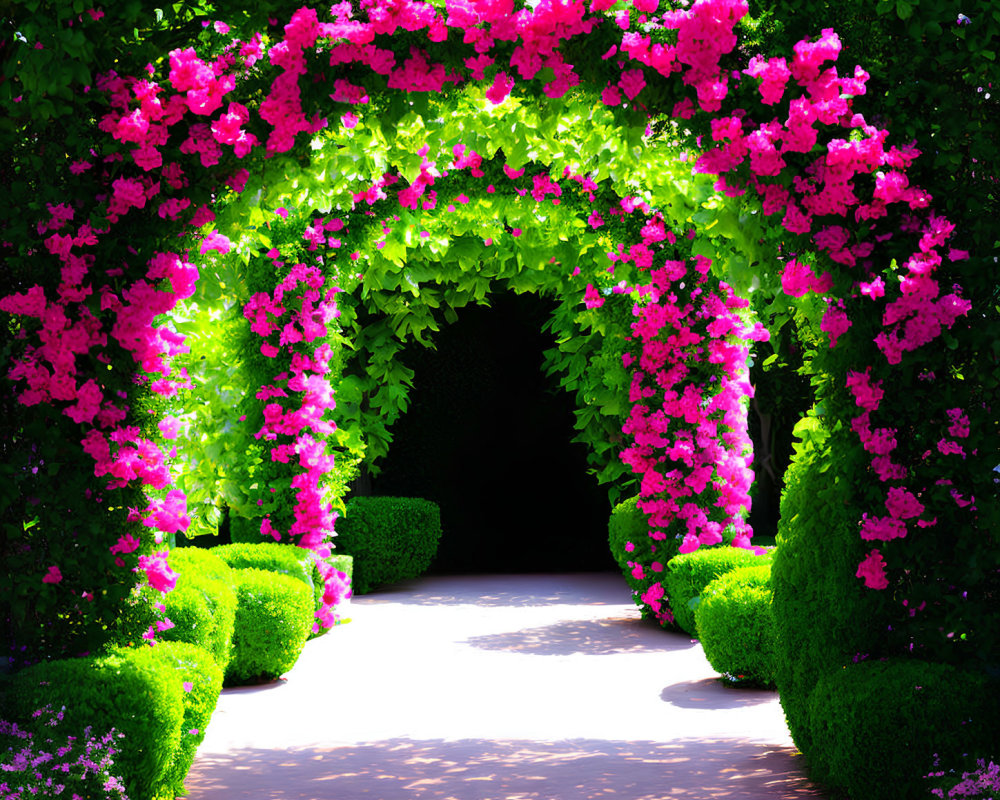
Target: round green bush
[
  {"x": 201, "y": 683},
  {"x": 202, "y": 606},
  {"x": 205, "y": 562},
  {"x": 877, "y": 725},
  {"x": 286, "y": 559},
  {"x": 689, "y": 573},
  {"x": 628, "y": 538},
  {"x": 274, "y": 615},
  {"x": 390, "y": 538},
  {"x": 736, "y": 625},
  {"x": 127, "y": 690}
]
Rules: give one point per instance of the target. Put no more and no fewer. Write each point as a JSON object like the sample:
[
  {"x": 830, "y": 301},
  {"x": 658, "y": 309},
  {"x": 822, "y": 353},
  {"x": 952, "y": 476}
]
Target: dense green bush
[
  {"x": 285, "y": 559},
  {"x": 817, "y": 612},
  {"x": 202, "y": 605},
  {"x": 135, "y": 691},
  {"x": 877, "y": 725},
  {"x": 390, "y": 538},
  {"x": 201, "y": 684},
  {"x": 274, "y": 614},
  {"x": 689, "y": 573},
  {"x": 735, "y": 624},
  {"x": 628, "y": 537}
]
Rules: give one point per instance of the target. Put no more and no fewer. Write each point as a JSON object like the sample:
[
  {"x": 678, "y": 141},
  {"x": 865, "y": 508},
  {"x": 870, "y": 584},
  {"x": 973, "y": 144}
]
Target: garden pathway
[{"x": 530, "y": 687}]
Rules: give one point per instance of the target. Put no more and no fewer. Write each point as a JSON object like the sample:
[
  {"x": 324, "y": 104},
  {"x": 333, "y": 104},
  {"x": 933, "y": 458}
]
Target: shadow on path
[
  {"x": 592, "y": 637},
  {"x": 477, "y": 769},
  {"x": 714, "y": 694}
]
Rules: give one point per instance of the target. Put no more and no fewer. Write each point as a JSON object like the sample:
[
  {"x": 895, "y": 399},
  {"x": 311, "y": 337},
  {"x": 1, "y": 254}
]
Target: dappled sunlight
[
  {"x": 593, "y": 637},
  {"x": 478, "y": 769},
  {"x": 452, "y": 700}
]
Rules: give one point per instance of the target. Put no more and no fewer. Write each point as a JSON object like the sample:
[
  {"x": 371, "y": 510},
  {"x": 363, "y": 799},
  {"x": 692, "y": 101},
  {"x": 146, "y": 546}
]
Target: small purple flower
[{"x": 963, "y": 20}]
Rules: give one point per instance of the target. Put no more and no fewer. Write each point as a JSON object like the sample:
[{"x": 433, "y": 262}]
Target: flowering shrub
[
  {"x": 41, "y": 763},
  {"x": 981, "y": 782}
]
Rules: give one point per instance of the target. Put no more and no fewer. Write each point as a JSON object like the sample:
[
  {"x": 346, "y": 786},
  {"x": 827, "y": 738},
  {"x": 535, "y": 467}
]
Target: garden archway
[{"x": 870, "y": 282}]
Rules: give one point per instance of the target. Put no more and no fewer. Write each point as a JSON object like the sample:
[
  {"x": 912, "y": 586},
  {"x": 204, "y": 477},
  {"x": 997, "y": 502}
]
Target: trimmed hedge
[
  {"x": 140, "y": 692},
  {"x": 628, "y": 525},
  {"x": 390, "y": 538},
  {"x": 202, "y": 682},
  {"x": 285, "y": 559},
  {"x": 202, "y": 605},
  {"x": 274, "y": 615},
  {"x": 818, "y": 614},
  {"x": 689, "y": 573},
  {"x": 735, "y": 624},
  {"x": 877, "y": 725}
]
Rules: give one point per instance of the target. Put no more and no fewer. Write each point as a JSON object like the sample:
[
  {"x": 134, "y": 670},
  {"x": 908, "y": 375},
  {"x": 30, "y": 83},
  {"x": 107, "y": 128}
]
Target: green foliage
[
  {"x": 284, "y": 559},
  {"x": 391, "y": 539},
  {"x": 128, "y": 690},
  {"x": 274, "y": 614},
  {"x": 626, "y": 525},
  {"x": 201, "y": 683},
  {"x": 202, "y": 605},
  {"x": 816, "y": 610},
  {"x": 735, "y": 625},
  {"x": 877, "y": 725},
  {"x": 687, "y": 575}
]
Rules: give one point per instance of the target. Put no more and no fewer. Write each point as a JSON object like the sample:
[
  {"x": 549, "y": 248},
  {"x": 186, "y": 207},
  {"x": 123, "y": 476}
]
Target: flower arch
[{"x": 857, "y": 246}]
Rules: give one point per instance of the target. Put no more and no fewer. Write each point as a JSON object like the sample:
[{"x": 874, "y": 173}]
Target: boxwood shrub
[
  {"x": 202, "y": 605},
  {"x": 735, "y": 624},
  {"x": 689, "y": 573},
  {"x": 876, "y": 726},
  {"x": 274, "y": 615},
  {"x": 138, "y": 691},
  {"x": 201, "y": 683},
  {"x": 286, "y": 559},
  {"x": 628, "y": 538},
  {"x": 390, "y": 538}
]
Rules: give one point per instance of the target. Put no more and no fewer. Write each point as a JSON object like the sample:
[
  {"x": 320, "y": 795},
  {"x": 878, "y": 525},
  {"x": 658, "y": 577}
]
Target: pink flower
[
  {"x": 872, "y": 570},
  {"x": 215, "y": 241},
  {"x": 798, "y": 278},
  {"x": 592, "y": 298},
  {"x": 169, "y": 427},
  {"x": 500, "y": 88},
  {"x": 834, "y": 323},
  {"x": 159, "y": 574},
  {"x": 127, "y": 543},
  {"x": 902, "y": 504},
  {"x": 53, "y": 576}
]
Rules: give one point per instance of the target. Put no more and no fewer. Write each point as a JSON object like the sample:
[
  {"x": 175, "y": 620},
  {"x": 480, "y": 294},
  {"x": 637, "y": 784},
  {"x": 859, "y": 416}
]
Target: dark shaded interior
[{"x": 488, "y": 437}]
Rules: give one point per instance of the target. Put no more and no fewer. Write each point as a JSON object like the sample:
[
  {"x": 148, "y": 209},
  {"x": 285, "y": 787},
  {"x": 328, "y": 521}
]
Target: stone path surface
[{"x": 522, "y": 687}]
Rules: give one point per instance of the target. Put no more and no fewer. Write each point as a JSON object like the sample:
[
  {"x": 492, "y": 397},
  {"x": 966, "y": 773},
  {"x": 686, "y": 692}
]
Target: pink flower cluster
[
  {"x": 687, "y": 430},
  {"x": 746, "y": 152},
  {"x": 297, "y": 314}
]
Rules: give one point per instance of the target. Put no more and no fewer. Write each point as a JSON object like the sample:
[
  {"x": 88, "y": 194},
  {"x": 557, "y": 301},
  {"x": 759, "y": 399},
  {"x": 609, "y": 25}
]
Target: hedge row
[
  {"x": 240, "y": 614},
  {"x": 390, "y": 539}
]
